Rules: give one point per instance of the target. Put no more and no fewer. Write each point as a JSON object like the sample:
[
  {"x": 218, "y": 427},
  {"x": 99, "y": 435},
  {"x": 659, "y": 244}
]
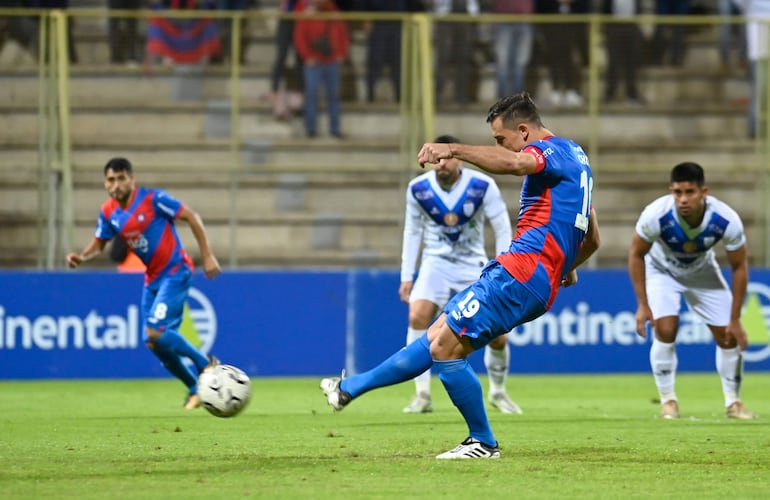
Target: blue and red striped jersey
[
  {"x": 147, "y": 227},
  {"x": 553, "y": 218}
]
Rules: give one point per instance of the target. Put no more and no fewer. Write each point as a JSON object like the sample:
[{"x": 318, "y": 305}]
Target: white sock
[
  {"x": 730, "y": 370},
  {"x": 497, "y": 362},
  {"x": 663, "y": 362},
  {"x": 421, "y": 381}
]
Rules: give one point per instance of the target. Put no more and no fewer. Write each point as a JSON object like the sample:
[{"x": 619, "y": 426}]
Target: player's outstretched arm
[
  {"x": 493, "y": 159},
  {"x": 210, "y": 263},
  {"x": 91, "y": 250}
]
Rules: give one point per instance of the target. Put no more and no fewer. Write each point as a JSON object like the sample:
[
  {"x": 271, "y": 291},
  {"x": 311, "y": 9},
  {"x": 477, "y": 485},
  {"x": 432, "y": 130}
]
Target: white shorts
[
  {"x": 706, "y": 293},
  {"x": 439, "y": 279}
]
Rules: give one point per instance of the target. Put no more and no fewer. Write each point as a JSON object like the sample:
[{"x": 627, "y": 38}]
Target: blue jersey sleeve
[
  {"x": 104, "y": 230},
  {"x": 165, "y": 205}
]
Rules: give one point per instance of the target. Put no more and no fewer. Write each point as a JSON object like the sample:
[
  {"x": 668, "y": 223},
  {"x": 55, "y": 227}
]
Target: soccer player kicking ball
[
  {"x": 556, "y": 232},
  {"x": 445, "y": 212},
  {"x": 671, "y": 257},
  {"x": 144, "y": 219}
]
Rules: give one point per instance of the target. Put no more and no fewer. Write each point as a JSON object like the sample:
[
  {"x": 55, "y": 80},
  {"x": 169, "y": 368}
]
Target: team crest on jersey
[
  {"x": 137, "y": 241},
  {"x": 450, "y": 219},
  {"x": 689, "y": 246},
  {"x": 468, "y": 208}
]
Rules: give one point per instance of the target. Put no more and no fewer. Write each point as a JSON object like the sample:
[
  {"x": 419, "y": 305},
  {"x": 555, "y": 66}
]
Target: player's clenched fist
[
  {"x": 74, "y": 260},
  {"x": 433, "y": 153}
]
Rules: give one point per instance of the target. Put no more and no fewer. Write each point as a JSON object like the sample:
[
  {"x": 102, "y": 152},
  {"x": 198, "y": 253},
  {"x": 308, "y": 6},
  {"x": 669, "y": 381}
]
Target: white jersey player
[
  {"x": 445, "y": 213},
  {"x": 672, "y": 256}
]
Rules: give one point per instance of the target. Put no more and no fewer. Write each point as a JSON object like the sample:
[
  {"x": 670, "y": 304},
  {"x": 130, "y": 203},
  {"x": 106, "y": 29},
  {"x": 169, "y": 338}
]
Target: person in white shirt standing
[
  {"x": 671, "y": 257},
  {"x": 757, "y": 14},
  {"x": 445, "y": 213}
]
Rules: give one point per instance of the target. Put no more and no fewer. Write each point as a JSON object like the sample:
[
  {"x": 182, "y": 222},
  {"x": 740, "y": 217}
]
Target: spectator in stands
[
  {"x": 323, "y": 45},
  {"x": 183, "y": 41},
  {"x": 513, "y": 46},
  {"x": 668, "y": 40},
  {"x": 731, "y": 35},
  {"x": 383, "y": 46},
  {"x": 455, "y": 42},
  {"x": 284, "y": 40},
  {"x": 559, "y": 40},
  {"x": 757, "y": 52},
  {"x": 624, "y": 49},
  {"x": 21, "y": 29},
  {"x": 124, "y": 33},
  {"x": 226, "y": 31},
  {"x": 62, "y": 5}
]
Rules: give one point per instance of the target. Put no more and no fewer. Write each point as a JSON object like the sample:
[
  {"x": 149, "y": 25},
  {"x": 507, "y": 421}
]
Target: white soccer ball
[{"x": 224, "y": 390}]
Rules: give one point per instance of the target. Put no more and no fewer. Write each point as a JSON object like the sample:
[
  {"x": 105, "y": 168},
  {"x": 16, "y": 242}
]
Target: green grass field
[{"x": 579, "y": 437}]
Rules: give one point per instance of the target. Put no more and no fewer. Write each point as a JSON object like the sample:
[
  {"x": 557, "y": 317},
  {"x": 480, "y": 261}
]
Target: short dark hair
[
  {"x": 119, "y": 165},
  {"x": 688, "y": 172},
  {"x": 514, "y": 109},
  {"x": 447, "y": 139}
]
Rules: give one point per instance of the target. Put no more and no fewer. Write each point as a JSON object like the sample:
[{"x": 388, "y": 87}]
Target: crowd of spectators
[{"x": 515, "y": 52}]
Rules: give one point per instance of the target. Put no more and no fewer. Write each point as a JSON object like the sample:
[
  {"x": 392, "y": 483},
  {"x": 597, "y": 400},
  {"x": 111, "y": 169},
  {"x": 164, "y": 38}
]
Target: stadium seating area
[{"x": 330, "y": 203}]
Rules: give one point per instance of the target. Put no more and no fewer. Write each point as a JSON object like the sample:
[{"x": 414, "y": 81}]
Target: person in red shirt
[{"x": 322, "y": 43}]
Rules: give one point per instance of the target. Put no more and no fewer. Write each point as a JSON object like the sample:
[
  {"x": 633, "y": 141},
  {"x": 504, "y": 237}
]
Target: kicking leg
[
  {"x": 175, "y": 366},
  {"x": 173, "y": 341},
  {"x": 405, "y": 364}
]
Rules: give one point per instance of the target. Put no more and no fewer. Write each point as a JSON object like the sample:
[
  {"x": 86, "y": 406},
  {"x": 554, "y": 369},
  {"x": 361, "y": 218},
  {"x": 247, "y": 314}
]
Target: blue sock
[
  {"x": 464, "y": 389},
  {"x": 174, "y": 364},
  {"x": 172, "y": 341},
  {"x": 404, "y": 365}
]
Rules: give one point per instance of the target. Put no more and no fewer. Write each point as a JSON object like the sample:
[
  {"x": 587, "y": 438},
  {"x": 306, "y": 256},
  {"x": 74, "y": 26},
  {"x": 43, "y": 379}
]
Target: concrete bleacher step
[
  {"x": 328, "y": 219},
  {"x": 121, "y": 86},
  {"x": 372, "y": 202},
  {"x": 164, "y": 133}
]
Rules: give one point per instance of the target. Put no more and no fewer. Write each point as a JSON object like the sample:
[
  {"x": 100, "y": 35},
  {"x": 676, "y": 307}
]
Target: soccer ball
[{"x": 224, "y": 390}]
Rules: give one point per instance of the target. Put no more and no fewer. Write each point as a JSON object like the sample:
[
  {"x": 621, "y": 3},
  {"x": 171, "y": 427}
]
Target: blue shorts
[
  {"x": 492, "y": 306},
  {"x": 163, "y": 301}
]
